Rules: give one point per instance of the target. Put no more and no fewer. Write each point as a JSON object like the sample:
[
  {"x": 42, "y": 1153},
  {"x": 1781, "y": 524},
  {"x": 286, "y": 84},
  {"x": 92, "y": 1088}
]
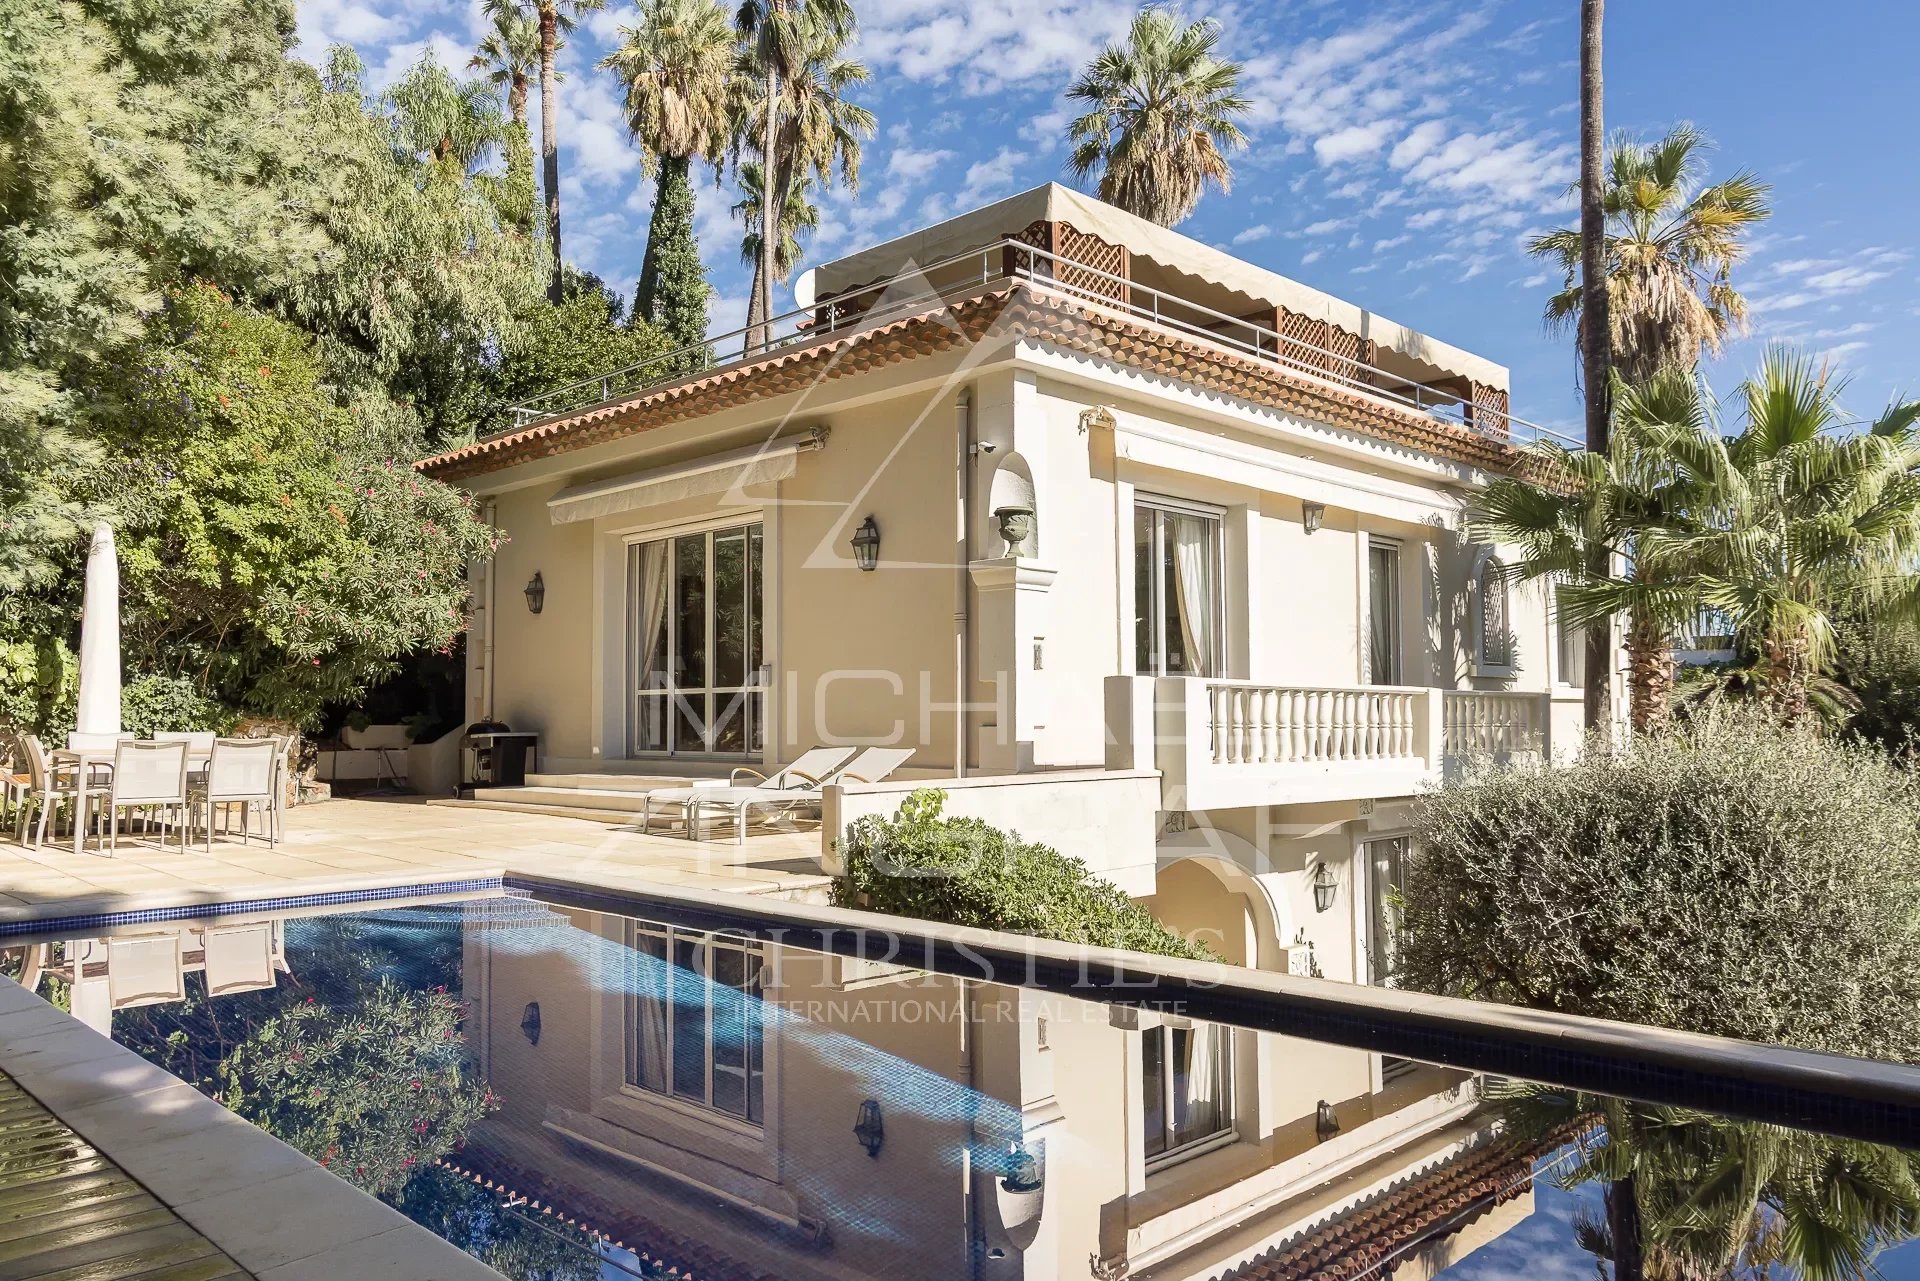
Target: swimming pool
[{"x": 568, "y": 1092}]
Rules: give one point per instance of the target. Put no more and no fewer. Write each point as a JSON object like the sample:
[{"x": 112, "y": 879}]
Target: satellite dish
[{"x": 804, "y": 288}]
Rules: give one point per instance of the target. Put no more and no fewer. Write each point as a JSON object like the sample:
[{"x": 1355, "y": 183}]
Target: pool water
[{"x": 576, "y": 1094}]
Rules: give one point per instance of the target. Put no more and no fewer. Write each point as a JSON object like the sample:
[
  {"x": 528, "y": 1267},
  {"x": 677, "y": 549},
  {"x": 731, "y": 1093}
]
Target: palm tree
[
  {"x": 800, "y": 214},
  {"x": 1596, "y": 358},
  {"x": 814, "y": 129},
  {"x": 1808, "y": 522},
  {"x": 782, "y": 38},
  {"x": 509, "y": 54},
  {"x": 1671, "y": 247},
  {"x": 1580, "y": 519},
  {"x": 554, "y": 19},
  {"x": 1162, "y": 116},
  {"x": 1690, "y": 1196},
  {"x": 443, "y": 119},
  {"x": 678, "y": 68}
]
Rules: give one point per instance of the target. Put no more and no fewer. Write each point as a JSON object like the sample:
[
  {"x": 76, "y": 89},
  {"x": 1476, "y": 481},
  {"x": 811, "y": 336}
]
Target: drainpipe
[
  {"x": 969, "y": 1208},
  {"x": 963, "y": 543},
  {"x": 488, "y": 597}
]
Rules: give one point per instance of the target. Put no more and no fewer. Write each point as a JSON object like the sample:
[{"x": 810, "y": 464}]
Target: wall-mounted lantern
[
  {"x": 1325, "y": 1123},
  {"x": 1313, "y": 515},
  {"x": 866, "y": 545},
  {"x": 536, "y": 593},
  {"x": 1326, "y": 887},
  {"x": 870, "y": 1129},
  {"x": 530, "y": 1023},
  {"x": 1023, "y": 1173}
]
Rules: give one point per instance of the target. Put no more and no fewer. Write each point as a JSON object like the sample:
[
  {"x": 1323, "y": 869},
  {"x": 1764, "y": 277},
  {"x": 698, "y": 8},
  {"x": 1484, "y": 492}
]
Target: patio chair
[
  {"x": 147, "y": 776},
  {"x": 871, "y": 766},
  {"x": 240, "y": 771},
  {"x": 239, "y": 958},
  {"x": 46, "y": 788},
  {"x": 813, "y": 765},
  {"x": 145, "y": 969}
]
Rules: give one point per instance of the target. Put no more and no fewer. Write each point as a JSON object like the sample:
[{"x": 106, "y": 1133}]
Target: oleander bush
[
  {"x": 964, "y": 871},
  {"x": 1732, "y": 877}
]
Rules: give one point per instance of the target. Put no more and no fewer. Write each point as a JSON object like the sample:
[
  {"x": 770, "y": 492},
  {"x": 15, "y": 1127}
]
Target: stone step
[
  {"x": 622, "y": 782},
  {"x": 590, "y": 813},
  {"x": 629, "y": 800}
]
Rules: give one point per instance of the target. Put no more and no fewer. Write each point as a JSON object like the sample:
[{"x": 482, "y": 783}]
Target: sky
[{"x": 1400, "y": 155}]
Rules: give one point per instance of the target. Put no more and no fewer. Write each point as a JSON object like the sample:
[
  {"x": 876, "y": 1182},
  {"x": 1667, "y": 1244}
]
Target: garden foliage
[
  {"x": 1732, "y": 877},
  {"x": 966, "y": 872}
]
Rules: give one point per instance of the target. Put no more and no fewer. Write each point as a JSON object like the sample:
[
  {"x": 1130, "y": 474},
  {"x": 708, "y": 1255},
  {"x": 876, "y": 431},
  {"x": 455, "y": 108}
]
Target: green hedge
[{"x": 966, "y": 872}]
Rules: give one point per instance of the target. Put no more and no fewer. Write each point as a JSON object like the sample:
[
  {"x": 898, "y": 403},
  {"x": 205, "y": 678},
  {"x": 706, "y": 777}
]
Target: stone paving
[{"x": 357, "y": 844}]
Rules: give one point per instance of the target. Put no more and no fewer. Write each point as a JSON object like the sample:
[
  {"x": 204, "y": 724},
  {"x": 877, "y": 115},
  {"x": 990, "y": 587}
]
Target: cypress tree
[{"x": 673, "y": 289}]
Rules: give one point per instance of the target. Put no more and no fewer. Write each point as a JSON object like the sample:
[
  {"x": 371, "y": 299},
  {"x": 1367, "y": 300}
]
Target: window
[
  {"x": 1496, "y": 618},
  {"x": 1186, "y": 1078},
  {"x": 1176, "y": 577},
  {"x": 1571, "y": 644},
  {"x": 695, "y": 619},
  {"x": 694, "y": 1019},
  {"x": 1383, "y": 611},
  {"x": 1386, "y": 883}
]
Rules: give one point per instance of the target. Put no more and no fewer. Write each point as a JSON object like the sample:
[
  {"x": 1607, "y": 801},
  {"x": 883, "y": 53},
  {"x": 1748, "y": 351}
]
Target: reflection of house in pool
[
  {"x": 780, "y": 1113},
  {"x": 126, "y": 971}
]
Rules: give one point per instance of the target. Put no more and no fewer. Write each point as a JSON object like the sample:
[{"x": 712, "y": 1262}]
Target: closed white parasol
[{"x": 99, "y": 711}]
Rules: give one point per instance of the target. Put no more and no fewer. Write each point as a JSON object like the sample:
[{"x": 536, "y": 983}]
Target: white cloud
[
  {"x": 1310, "y": 257},
  {"x": 906, "y": 164},
  {"x": 1324, "y": 226},
  {"x": 986, "y": 46},
  {"x": 1259, "y": 231},
  {"x": 993, "y": 174},
  {"x": 1352, "y": 142},
  {"x": 1423, "y": 138}
]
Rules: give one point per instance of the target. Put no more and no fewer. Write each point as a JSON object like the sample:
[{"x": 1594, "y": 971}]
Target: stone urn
[{"x": 1016, "y": 527}]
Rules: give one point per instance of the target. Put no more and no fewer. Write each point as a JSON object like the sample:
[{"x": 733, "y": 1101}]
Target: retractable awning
[{"x": 714, "y": 474}]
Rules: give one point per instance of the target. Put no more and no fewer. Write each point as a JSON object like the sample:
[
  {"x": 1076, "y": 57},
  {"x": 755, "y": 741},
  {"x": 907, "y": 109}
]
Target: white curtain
[
  {"x": 1193, "y": 581},
  {"x": 647, "y": 1014},
  {"x": 1200, "y": 1104},
  {"x": 650, "y": 621}
]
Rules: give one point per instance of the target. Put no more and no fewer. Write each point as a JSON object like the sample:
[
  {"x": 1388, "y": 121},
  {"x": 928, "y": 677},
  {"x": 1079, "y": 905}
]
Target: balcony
[
  {"x": 1317, "y": 354},
  {"x": 1224, "y": 744}
]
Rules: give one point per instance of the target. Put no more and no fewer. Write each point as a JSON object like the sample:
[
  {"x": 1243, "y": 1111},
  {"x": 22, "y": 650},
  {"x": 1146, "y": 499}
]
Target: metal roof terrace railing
[{"x": 913, "y": 291}]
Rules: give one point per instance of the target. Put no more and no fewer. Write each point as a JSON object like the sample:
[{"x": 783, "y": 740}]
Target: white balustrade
[
  {"x": 1291, "y": 724},
  {"x": 1491, "y": 723}
]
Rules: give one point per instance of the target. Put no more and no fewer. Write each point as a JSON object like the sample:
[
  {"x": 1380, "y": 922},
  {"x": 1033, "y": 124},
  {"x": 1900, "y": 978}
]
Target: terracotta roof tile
[
  {"x": 1371, "y": 1238},
  {"x": 1017, "y": 312}
]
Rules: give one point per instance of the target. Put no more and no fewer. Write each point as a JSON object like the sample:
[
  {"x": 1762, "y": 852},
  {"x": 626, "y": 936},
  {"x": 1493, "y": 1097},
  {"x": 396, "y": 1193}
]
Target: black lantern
[
  {"x": 536, "y": 593},
  {"x": 530, "y": 1023},
  {"x": 1312, "y": 515},
  {"x": 866, "y": 545},
  {"x": 1325, "y": 887},
  {"x": 870, "y": 1129},
  {"x": 1325, "y": 1123}
]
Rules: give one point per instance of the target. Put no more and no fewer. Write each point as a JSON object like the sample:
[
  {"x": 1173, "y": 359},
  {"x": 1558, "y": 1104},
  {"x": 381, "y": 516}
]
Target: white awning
[{"x": 714, "y": 474}]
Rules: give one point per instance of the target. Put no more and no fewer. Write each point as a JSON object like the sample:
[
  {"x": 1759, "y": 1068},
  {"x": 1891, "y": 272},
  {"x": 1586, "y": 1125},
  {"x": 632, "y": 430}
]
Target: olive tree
[{"x": 1735, "y": 878}]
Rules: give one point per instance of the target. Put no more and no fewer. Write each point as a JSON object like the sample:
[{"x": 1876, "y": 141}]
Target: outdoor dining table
[{"x": 88, "y": 759}]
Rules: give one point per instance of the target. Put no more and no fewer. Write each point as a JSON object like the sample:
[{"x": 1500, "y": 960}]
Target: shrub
[
  {"x": 966, "y": 872},
  {"x": 1732, "y": 877},
  {"x": 155, "y": 704}
]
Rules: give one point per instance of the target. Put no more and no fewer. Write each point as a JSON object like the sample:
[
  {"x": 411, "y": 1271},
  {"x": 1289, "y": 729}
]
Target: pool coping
[
  {"x": 268, "y": 1207},
  {"x": 1828, "y": 1093}
]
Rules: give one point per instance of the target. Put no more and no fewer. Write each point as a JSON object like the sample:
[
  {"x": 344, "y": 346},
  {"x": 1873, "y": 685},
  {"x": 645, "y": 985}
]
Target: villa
[{"x": 1143, "y": 551}]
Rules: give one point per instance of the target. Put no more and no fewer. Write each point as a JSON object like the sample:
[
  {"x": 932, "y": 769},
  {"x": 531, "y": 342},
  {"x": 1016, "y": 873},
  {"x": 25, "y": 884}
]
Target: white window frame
[
  {"x": 1489, "y": 560},
  {"x": 1228, "y": 1133},
  {"x": 759, "y": 679},
  {"x": 1565, "y": 638},
  {"x": 1388, "y": 1067},
  {"x": 1179, "y": 507},
  {"x": 704, "y": 1108},
  {"x": 1397, "y": 631}
]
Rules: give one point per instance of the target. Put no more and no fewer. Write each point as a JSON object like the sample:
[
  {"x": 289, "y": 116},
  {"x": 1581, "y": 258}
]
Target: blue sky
[{"x": 1400, "y": 154}]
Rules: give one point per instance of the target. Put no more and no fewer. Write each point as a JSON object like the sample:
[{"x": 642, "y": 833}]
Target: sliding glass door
[{"x": 694, "y": 614}]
